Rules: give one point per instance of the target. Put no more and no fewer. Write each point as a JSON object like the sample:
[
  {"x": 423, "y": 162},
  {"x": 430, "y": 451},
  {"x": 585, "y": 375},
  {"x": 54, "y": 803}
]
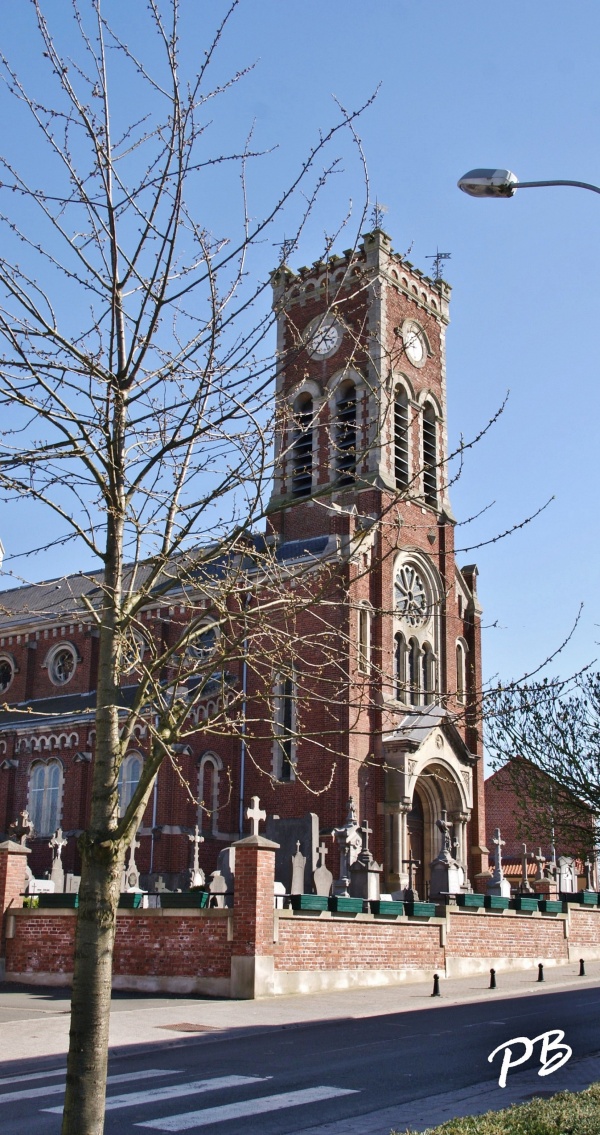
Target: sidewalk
[{"x": 42, "y": 1015}]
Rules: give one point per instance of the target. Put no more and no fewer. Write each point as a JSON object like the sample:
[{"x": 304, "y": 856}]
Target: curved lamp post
[{"x": 503, "y": 183}]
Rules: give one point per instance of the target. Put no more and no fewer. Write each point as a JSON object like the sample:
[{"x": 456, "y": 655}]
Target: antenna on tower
[
  {"x": 437, "y": 262},
  {"x": 377, "y": 214}
]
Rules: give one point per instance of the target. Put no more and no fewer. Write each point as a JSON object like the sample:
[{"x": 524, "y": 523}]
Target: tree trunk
[{"x": 90, "y": 1008}]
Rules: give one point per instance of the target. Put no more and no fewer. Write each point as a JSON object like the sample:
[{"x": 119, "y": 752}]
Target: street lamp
[{"x": 503, "y": 183}]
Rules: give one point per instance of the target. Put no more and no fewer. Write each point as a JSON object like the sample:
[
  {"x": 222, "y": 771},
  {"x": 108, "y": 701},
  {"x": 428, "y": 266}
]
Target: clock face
[
  {"x": 324, "y": 336},
  {"x": 414, "y": 343}
]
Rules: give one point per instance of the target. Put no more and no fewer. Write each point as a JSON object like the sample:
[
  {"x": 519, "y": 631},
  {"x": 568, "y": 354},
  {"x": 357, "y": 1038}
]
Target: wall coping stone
[
  {"x": 260, "y": 841},
  {"x": 14, "y": 848}
]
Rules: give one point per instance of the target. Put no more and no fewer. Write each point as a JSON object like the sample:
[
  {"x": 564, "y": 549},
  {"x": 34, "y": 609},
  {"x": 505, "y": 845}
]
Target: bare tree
[
  {"x": 135, "y": 385},
  {"x": 549, "y": 733}
]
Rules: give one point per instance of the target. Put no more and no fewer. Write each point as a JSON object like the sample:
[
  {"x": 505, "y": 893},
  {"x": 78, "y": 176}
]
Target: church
[{"x": 378, "y": 700}]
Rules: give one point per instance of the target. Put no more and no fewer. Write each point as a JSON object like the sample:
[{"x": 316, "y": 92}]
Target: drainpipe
[
  {"x": 244, "y": 699},
  {"x": 152, "y": 837}
]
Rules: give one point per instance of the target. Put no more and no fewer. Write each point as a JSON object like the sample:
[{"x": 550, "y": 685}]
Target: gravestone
[
  {"x": 72, "y": 883},
  {"x": 323, "y": 877},
  {"x": 218, "y": 889},
  {"x": 498, "y": 884},
  {"x": 278, "y": 895},
  {"x": 298, "y": 869},
  {"x": 226, "y": 867},
  {"x": 40, "y": 886},
  {"x": 365, "y": 873},
  {"x": 57, "y": 874},
  {"x": 525, "y": 887},
  {"x": 197, "y": 877},
  {"x": 131, "y": 876},
  {"x": 446, "y": 874},
  {"x": 567, "y": 877},
  {"x": 288, "y": 833},
  {"x": 350, "y": 843}
]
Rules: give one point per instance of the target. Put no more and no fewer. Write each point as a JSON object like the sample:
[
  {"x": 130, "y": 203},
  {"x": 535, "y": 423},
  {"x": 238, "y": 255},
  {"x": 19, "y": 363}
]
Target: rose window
[
  {"x": 411, "y": 596},
  {"x": 62, "y": 666}
]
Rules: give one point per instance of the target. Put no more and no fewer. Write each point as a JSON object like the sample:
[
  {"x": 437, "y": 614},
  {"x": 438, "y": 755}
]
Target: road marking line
[
  {"x": 245, "y": 1107},
  {"x": 54, "y": 1089},
  {"x": 33, "y": 1076},
  {"x": 173, "y": 1091}
]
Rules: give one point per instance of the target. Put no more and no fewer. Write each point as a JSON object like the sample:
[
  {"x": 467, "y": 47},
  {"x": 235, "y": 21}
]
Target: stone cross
[
  {"x": 160, "y": 886},
  {"x": 57, "y": 842},
  {"x": 22, "y": 828},
  {"x": 132, "y": 876},
  {"x": 525, "y": 884},
  {"x": 499, "y": 844},
  {"x": 540, "y": 860},
  {"x": 588, "y": 874},
  {"x": 412, "y": 865},
  {"x": 322, "y": 850},
  {"x": 196, "y": 874},
  {"x": 255, "y": 814},
  {"x": 298, "y": 865},
  {"x": 367, "y": 832},
  {"x": 445, "y": 828}
]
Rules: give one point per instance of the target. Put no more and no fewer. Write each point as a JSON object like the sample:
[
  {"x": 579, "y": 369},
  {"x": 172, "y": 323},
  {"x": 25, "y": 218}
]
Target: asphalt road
[{"x": 274, "y": 1081}]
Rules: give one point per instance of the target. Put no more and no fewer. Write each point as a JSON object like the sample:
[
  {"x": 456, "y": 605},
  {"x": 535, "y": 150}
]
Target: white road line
[
  {"x": 174, "y": 1091},
  {"x": 245, "y": 1107},
  {"x": 32, "y": 1076},
  {"x": 55, "y": 1089}
]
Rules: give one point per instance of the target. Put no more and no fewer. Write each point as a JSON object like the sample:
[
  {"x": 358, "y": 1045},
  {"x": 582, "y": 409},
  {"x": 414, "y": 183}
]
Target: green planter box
[
  {"x": 55, "y": 902},
  {"x": 420, "y": 909},
  {"x": 309, "y": 902},
  {"x": 387, "y": 907},
  {"x": 343, "y": 905},
  {"x": 495, "y": 902},
  {"x": 187, "y": 900},
  {"x": 130, "y": 901},
  {"x": 584, "y": 898},
  {"x": 470, "y": 901},
  {"x": 525, "y": 902},
  {"x": 551, "y": 906}
]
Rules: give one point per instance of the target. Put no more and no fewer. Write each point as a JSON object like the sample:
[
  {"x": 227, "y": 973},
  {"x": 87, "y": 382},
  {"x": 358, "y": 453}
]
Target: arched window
[
  {"x": 302, "y": 447},
  {"x": 461, "y": 673},
  {"x": 284, "y": 756},
  {"x": 345, "y": 434},
  {"x": 430, "y": 458},
  {"x": 427, "y": 674},
  {"x": 414, "y": 654},
  {"x": 364, "y": 639},
  {"x": 129, "y": 775},
  {"x": 208, "y": 793},
  {"x": 45, "y": 790},
  {"x": 401, "y": 438},
  {"x": 400, "y": 665},
  {"x": 61, "y": 661}
]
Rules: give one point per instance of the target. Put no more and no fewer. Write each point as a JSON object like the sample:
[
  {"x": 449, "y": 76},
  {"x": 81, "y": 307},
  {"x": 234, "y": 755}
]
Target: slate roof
[{"x": 61, "y": 598}]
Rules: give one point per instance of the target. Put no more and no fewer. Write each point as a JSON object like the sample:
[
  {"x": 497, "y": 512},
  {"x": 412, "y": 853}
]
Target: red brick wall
[
  {"x": 13, "y": 866},
  {"x": 315, "y": 944},
  {"x": 495, "y": 936}
]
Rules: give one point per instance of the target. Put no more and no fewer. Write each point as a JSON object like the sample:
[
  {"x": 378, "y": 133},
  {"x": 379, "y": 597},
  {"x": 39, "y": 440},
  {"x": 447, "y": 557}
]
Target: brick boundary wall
[
  {"x": 252, "y": 950},
  {"x": 192, "y": 951}
]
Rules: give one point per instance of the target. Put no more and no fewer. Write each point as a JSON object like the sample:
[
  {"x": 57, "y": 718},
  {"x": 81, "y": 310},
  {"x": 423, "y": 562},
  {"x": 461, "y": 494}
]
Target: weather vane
[{"x": 437, "y": 262}]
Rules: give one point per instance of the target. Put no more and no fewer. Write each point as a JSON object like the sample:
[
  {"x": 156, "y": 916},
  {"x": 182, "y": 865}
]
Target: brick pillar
[
  {"x": 253, "y": 918},
  {"x": 13, "y": 880}
]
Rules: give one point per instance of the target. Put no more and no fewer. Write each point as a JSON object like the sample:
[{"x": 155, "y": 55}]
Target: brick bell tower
[{"x": 361, "y": 458}]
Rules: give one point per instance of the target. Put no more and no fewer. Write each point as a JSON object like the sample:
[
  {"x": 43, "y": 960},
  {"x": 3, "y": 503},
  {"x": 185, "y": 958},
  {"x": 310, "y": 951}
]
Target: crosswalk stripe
[
  {"x": 244, "y": 1108},
  {"x": 32, "y": 1076},
  {"x": 55, "y": 1089},
  {"x": 173, "y": 1091}
]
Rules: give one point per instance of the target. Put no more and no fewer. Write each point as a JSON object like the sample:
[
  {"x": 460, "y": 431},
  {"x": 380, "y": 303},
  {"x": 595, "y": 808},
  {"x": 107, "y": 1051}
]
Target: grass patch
[{"x": 567, "y": 1113}]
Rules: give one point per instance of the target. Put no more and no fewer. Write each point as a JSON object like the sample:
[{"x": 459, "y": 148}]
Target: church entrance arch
[{"x": 436, "y": 792}]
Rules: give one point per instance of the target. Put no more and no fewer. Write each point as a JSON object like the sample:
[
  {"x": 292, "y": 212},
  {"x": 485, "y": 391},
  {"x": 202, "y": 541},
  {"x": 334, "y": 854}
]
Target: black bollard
[
  {"x": 436, "y": 986},
  {"x": 540, "y": 972},
  {"x": 492, "y": 979},
  {"x": 581, "y": 967}
]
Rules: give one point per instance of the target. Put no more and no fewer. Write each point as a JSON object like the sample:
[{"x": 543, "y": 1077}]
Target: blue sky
[{"x": 460, "y": 85}]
